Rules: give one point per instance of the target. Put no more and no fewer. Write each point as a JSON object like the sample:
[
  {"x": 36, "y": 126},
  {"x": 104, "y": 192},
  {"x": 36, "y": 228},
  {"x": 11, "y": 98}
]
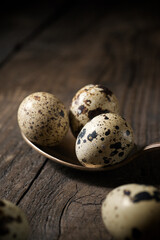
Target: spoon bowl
[{"x": 64, "y": 154}]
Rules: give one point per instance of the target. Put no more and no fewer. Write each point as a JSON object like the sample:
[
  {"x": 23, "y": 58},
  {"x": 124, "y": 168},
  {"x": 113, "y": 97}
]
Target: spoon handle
[{"x": 152, "y": 145}]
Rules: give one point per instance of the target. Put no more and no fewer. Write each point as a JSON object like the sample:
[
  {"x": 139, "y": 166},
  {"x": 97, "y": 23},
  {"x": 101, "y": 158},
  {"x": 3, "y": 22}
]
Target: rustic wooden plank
[
  {"x": 62, "y": 203},
  {"x": 68, "y": 212},
  {"x": 20, "y": 23}
]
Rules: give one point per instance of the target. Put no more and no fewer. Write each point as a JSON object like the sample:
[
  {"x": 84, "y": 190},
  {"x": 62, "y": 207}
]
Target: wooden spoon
[{"x": 64, "y": 154}]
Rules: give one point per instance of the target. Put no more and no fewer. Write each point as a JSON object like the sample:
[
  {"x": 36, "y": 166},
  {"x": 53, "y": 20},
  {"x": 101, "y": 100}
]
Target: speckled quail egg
[
  {"x": 89, "y": 102},
  {"x": 43, "y": 119},
  {"x": 13, "y": 222},
  {"x": 106, "y": 140},
  {"x": 132, "y": 211}
]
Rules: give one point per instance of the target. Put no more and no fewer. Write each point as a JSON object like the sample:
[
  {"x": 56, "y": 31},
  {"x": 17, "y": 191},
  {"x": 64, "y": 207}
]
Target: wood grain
[{"x": 115, "y": 45}]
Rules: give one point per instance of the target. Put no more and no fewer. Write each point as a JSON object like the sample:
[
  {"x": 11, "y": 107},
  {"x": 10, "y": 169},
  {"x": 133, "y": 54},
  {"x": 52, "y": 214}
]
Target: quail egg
[
  {"x": 43, "y": 119},
  {"x": 89, "y": 102},
  {"x": 132, "y": 211},
  {"x": 13, "y": 222},
  {"x": 106, "y": 140}
]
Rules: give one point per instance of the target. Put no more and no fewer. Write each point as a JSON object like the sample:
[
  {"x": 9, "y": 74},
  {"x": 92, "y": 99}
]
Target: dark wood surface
[{"x": 59, "y": 48}]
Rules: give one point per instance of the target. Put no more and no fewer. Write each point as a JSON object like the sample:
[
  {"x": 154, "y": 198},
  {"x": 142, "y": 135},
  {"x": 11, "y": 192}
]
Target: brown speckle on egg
[
  {"x": 2, "y": 204},
  {"x": 91, "y": 136},
  {"x": 107, "y": 132},
  {"x": 127, "y": 192},
  {"x": 82, "y": 110},
  {"x": 95, "y": 112}
]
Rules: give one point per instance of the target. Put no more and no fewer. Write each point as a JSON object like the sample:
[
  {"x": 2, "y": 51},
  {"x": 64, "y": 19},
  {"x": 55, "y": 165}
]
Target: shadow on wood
[{"x": 145, "y": 169}]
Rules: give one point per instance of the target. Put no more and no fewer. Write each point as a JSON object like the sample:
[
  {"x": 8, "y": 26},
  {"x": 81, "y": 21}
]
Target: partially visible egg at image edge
[
  {"x": 132, "y": 211},
  {"x": 13, "y": 222}
]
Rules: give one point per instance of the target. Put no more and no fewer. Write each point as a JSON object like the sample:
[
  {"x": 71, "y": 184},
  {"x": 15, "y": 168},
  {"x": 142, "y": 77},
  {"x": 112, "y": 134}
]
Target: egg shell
[
  {"x": 132, "y": 211},
  {"x": 106, "y": 140},
  {"x": 89, "y": 102},
  {"x": 43, "y": 119},
  {"x": 13, "y": 222}
]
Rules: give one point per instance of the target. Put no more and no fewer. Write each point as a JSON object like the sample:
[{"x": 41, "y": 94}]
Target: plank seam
[
  {"x": 31, "y": 183},
  {"x": 61, "y": 215}
]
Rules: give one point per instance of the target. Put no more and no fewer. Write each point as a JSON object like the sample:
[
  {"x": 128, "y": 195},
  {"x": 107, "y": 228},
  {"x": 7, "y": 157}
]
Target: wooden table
[{"x": 60, "y": 48}]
